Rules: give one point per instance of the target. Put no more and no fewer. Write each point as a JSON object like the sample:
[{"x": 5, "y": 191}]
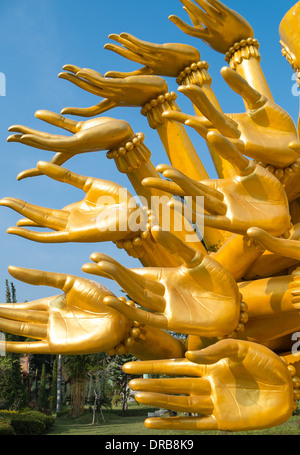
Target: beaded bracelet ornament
[
  {"x": 137, "y": 334},
  {"x": 156, "y": 107},
  {"x": 243, "y": 320},
  {"x": 283, "y": 175},
  {"x": 196, "y": 74},
  {"x": 243, "y": 50},
  {"x": 131, "y": 155},
  {"x": 140, "y": 244},
  {"x": 295, "y": 380}
]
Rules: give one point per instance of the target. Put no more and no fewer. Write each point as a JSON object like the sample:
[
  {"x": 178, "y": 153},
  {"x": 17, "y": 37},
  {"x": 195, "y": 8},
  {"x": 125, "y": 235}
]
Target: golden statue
[{"x": 224, "y": 270}]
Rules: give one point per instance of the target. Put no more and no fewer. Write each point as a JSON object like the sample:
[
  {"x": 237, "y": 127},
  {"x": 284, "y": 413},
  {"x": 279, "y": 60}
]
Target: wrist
[
  {"x": 195, "y": 74},
  {"x": 243, "y": 319},
  {"x": 136, "y": 334},
  {"x": 295, "y": 379},
  {"x": 156, "y": 107},
  {"x": 284, "y": 175},
  {"x": 291, "y": 60},
  {"x": 130, "y": 155},
  {"x": 142, "y": 242},
  {"x": 242, "y": 50}
]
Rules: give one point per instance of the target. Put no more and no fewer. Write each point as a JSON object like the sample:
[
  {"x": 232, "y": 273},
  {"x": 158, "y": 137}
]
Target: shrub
[
  {"x": 5, "y": 427},
  {"x": 27, "y": 422}
]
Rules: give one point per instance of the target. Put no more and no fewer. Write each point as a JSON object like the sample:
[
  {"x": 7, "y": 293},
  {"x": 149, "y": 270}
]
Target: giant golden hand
[
  {"x": 90, "y": 136},
  {"x": 76, "y": 322},
  {"x": 103, "y": 215},
  {"x": 159, "y": 59},
  {"x": 233, "y": 385},
  {"x": 200, "y": 297},
  {"x": 214, "y": 23},
  {"x": 264, "y": 132},
  {"x": 254, "y": 197},
  {"x": 121, "y": 91}
]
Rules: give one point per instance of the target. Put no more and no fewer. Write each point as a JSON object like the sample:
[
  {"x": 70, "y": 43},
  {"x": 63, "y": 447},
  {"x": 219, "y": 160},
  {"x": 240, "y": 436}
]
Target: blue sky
[{"x": 38, "y": 37}]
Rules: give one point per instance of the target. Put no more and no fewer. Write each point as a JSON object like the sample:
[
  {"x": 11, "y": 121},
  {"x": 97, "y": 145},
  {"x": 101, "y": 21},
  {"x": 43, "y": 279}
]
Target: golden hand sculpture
[
  {"x": 200, "y": 297},
  {"x": 90, "y": 136},
  {"x": 79, "y": 322},
  {"x": 103, "y": 215},
  {"x": 159, "y": 59},
  {"x": 265, "y": 132},
  {"x": 214, "y": 23},
  {"x": 121, "y": 91},
  {"x": 254, "y": 197},
  {"x": 76, "y": 322},
  {"x": 233, "y": 385}
]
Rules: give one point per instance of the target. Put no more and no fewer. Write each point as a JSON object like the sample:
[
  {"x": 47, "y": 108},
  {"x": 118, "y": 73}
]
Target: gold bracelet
[
  {"x": 243, "y": 320},
  {"x": 156, "y": 107},
  {"x": 196, "y": 74},
  {"x": 136, "y": 334},
  {"x": 290, "y": 58},
  {"x": 140, "y": 244},
  {"x": 131, "y": 155},
  {"x": 243, "y": 50},
  {"x": 283, "y": 175},
  {"x": 295, "y": 380}
]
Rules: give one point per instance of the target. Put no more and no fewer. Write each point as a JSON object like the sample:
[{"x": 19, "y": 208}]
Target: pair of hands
[
  {"x": 232, "y": 385},
  {"x": 253, "y": 197}
]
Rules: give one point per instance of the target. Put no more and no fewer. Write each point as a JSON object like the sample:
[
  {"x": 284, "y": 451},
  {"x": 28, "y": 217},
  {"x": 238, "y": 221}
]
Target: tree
[
  {"x": 77, "y": 369},
  {"x": 120, "y": 378},
  {"x": 59, "y": 384},
  {"x": 43, "y": 401},
  {"x": 53, "y": 389},
  {"x": 7, "y": 292},
  {"x": 12, "y": 388}
]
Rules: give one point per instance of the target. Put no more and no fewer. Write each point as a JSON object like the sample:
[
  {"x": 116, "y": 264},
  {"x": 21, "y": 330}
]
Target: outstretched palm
[
  {"x": 253, "y": 197},
  {"x": 200, "y": 297},
  {"x": 159, "y": 59},
  {"x": 217, "y": 25},
  {"x": 76, "y": 322},
  {"x": 234, "y": 386},
  {"x": 121, "y": 91},
  {"x": 93, "y": 135},
  {"x": 265, "y": 132},
  {"x": 103, "y": 215}
]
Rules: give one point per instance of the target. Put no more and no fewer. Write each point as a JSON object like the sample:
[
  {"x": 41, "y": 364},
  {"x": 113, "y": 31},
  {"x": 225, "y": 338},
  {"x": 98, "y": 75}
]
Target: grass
[{"x": 116, "y": 425}]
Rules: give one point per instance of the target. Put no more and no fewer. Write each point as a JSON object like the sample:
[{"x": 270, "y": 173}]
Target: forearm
[
  {"x": 133, "y": 159},
  {"x": 197, "y": 74},
  {"x": 244, "y": 57},
  {"x": 180, "y": 150},
  {"x": 177, "y": 144},
  {"x": 269, "y": 297},
  {"x": 238, "y": 255},
  {"x": 158, "y": 345},
  {"x": 268, "y": 265}
]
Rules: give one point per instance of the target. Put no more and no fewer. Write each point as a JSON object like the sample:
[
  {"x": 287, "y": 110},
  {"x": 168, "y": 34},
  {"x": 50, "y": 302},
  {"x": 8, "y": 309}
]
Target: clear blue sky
[{"x": 37, "y": 38}]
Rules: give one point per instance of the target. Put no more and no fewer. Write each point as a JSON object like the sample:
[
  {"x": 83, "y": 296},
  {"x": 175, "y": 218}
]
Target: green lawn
[{"x": 115, "y": 425}]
